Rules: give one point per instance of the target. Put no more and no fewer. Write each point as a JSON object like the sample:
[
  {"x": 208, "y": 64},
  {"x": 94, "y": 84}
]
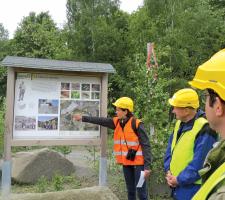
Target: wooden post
[
  {"x": 7, "y": 162},
  {"x": 103, "y": 111}
]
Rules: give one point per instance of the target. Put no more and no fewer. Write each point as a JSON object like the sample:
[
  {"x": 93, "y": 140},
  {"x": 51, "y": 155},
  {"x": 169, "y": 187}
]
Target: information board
[{"x": 44, "y": 105}]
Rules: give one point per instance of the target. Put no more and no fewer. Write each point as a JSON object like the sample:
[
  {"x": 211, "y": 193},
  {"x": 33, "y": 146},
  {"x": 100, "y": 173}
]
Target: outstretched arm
[{"x": 103, "y": 121}]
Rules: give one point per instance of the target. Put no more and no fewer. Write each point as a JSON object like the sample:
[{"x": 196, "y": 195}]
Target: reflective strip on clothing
[
  {"x": 116, "y": 141},
  {"x": 133, "y": 143},
  {"x": 139, "y": 153},
  {"x": 119, "y": 153},
  {"x": 124, "y": 142}
]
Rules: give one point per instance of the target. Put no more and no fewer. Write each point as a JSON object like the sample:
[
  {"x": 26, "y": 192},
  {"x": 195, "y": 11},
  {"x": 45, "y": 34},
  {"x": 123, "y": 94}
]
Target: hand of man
[
  {"x": 171, "y": 180},
  {"x": 77, "y": 117},
  {"x": 147, "y": 173}
]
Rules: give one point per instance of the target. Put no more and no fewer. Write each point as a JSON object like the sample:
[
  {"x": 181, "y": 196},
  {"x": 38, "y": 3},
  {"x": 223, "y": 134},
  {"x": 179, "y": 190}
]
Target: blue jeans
[{"x": 131, "y": 175}]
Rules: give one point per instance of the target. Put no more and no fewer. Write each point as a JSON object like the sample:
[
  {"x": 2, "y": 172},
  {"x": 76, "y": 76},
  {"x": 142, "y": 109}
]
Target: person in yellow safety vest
[
  {"x": 210, "y": 76},
  {"x": 188, "y": 145},
  {"x": 131, "y": 145}
]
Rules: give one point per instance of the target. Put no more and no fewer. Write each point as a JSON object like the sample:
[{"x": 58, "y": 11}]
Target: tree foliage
[
  {"x": 183, "y": 39},
  {"x": 4, "y": 42},
  {"x": 38, "y": 36},
  {"x": 96, "y": 30},
  {"x": 4, "y": 50}
]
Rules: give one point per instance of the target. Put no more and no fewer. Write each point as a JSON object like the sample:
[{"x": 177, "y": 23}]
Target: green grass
[{"x": 57, "y": 183}]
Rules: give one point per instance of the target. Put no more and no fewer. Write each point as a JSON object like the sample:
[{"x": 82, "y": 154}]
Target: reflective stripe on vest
[
  {"x": 125, "y": 139},
  {"x": 211, "y": 182},
  {"x": 139, "y": 153},
  {"x": 182, "y": 151},
  {"x": 124, "y": 142}
]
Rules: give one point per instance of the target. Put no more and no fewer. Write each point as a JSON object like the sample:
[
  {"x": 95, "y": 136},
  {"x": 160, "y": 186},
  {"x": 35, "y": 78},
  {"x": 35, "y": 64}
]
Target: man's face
[
  {"x": 181, "y": 113},
  {"x": 211, "y": 113}
]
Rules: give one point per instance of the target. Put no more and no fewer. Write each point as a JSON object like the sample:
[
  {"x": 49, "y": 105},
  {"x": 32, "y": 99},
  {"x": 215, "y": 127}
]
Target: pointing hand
[{"x": 77, "y": 117}]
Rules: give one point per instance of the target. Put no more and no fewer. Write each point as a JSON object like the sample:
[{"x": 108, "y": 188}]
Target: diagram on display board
[{"x": 44, "y": 105}]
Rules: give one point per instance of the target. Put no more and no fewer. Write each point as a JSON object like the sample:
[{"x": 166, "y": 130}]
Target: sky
[{"x": 13, "y": 11}]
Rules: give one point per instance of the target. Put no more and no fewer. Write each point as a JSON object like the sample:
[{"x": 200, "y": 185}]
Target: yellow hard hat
[
  {"x": 211, "y": 74},
  {"x": 125, "y": 103},
  {"x": 186, "y": 97}
]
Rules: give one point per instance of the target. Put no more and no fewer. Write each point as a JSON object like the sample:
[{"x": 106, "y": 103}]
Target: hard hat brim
[
  {"x": 116, "y": 105},
  {"x": 197, "y": 84},
  {"x": 171, "y": 102},
  {"x": 203, "y": 85}
]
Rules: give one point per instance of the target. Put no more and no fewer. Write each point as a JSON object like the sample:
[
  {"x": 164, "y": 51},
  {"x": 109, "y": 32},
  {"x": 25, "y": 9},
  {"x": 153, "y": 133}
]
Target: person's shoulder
[
  {"x": 137, "y": 123},
  {"x": 137, "y": 120},
  {"x": 206, "y": 129},
  {"x": 200, "y": 113}
]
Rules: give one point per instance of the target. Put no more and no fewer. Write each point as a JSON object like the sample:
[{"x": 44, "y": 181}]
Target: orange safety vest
[{"x": 125, "y": 139}]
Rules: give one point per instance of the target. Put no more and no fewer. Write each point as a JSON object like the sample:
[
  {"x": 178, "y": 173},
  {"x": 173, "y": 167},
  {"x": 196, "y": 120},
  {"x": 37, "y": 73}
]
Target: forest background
[{"x": 185, "y": 32}]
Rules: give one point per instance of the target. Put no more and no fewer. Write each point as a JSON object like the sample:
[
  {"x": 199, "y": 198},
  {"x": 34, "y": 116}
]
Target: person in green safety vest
[
  {"x": 210, "y": 76},
  {"x": 188, "y": 145}
]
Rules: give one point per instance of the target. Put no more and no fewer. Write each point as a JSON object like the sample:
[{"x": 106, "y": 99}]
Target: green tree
[
  {"x": 3, "y": 33},
  {"x": 218, "y": 6},
  {"x": 98, "y": 32},
  {"x": 183, "y": 36},
  {"x": 88, "y": 22},
  {"x": 38, "y": 36},
  {"x": 183, "y": 39},
  {"x": 4, "y": 51},
  {"x": 4, "y": 42}
]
